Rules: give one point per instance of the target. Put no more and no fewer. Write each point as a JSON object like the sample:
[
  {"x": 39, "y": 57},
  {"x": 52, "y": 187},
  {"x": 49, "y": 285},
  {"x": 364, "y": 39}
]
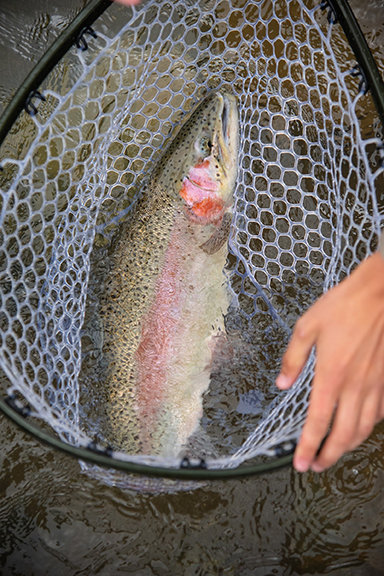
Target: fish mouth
[
  {"x": 224, "y": 118},
  {"x": 226, "y": 141},
  {"x": 227, "y": 115}
]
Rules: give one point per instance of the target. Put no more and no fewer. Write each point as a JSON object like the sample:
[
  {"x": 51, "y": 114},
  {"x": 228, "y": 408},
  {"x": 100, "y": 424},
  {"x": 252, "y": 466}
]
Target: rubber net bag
[{"x": 306, "y": 208}]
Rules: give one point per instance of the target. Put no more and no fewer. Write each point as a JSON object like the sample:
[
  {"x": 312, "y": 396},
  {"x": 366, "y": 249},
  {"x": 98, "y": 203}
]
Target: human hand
[
  {"x": 347, "y": 327},
  {"x": 128, "y": 2}
]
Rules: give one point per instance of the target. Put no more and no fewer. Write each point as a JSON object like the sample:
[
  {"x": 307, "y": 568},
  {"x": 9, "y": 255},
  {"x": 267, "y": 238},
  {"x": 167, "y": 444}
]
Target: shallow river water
[{"x": 54, "y": 520}]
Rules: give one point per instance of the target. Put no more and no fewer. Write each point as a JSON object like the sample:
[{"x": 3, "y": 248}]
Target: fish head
[{"x": 201, "y": 163}]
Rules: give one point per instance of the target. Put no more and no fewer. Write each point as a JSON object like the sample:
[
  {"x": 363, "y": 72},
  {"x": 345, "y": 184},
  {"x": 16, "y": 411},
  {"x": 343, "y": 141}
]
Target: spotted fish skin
[{"x": 164, "y": 292}]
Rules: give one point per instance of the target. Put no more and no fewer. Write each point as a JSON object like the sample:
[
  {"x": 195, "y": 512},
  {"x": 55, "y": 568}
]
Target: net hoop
[{"x": 188, "y": 471}]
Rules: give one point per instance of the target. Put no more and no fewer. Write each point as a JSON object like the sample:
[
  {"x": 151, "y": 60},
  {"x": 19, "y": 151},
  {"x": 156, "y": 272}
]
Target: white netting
[{"x": 305, "y": 211}]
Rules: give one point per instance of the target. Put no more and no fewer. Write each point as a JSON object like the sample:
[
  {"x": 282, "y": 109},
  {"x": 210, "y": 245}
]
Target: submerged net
[{"x": 306, "y": 208}]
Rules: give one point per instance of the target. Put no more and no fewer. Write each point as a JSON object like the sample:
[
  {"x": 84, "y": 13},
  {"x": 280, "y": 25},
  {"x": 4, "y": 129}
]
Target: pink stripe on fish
[{"x": 160, "y": 327}]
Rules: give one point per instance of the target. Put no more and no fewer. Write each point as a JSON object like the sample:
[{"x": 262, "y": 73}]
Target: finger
[
  {"x": 128, "y": 2},
  {"x": 321, "y": 408},
  {"x": 373, "y": 406},
  {"x": 380, "y": 378},
  {"x": 296, "y": 355},
  {"x": 369, "y": 417},
  {"x": 345, "y": 429},
  {"x": 359, "y": 408}
]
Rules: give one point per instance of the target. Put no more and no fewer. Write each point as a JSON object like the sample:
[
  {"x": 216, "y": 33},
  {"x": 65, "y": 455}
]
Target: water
[
  {"x": 55, "y": 520},
  {"x": 26, "y": 29}
]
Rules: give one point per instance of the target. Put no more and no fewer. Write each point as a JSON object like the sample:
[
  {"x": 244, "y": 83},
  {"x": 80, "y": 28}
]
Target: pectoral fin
[{"x": 219, "y": 237}]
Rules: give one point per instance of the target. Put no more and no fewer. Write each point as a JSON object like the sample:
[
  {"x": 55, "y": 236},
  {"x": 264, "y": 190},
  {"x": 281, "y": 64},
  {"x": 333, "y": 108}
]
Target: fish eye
[{"x": 205, "y": 145}]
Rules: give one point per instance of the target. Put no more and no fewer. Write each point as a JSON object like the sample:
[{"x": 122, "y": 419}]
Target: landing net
[{"x": 306, "y": 206}]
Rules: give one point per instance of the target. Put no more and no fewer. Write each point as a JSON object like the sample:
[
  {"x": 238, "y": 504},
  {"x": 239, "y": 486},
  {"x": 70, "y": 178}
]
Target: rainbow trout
[{"x": 165, "y": 294}]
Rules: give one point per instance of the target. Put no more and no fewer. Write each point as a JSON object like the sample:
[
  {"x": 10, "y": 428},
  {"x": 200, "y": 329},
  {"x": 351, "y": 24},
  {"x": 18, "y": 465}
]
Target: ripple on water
[
  {"x": 26, "y": 29},
  {"x": 62, "y": 521},
  {"x": 339, "y": 515}
]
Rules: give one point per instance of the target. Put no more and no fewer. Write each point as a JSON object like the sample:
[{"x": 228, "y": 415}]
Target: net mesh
[{"x": 306, "y": 206}]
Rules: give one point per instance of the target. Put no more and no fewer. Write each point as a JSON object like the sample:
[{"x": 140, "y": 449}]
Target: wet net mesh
[{"x": 306, "y": 208}]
